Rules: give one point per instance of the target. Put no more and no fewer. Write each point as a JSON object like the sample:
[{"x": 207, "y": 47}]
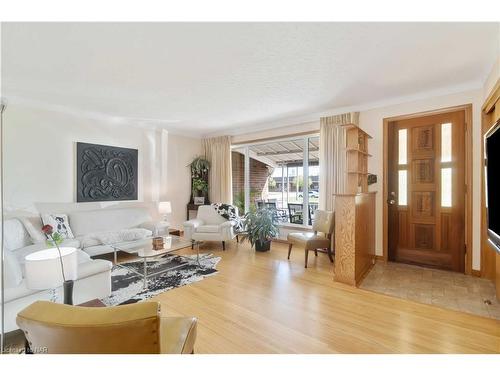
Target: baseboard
[{"x": 476, "y": 273}]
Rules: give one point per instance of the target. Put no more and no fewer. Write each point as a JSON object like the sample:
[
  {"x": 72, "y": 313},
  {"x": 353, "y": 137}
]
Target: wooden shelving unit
[
  {"x": 357, "y": 159},
  {"x": 355, "y": 213}
]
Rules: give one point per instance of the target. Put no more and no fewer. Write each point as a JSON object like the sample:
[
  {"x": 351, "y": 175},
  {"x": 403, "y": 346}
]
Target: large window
[{"x": 282, "y": 175}]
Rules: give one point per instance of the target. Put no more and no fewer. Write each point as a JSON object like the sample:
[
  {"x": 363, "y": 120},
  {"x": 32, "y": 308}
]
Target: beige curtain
[
  {"x": 332, "y": 157},
  {"x": 218, "y": 153}
]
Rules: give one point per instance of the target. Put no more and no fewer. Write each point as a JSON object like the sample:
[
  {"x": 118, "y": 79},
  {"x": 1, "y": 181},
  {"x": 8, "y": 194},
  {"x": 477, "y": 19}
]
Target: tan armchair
[
  {"x": 137, "y": 328},
  {"x": 323, "y": 223}
]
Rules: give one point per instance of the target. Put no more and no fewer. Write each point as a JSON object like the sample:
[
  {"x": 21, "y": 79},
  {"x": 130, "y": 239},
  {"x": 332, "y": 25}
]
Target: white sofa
[
  {"x": 94, "y": 275},
  {"x": 85, "y": 223},
  {"x": 209, "y": 226}
]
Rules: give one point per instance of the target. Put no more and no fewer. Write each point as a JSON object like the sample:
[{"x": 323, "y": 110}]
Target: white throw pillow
[
  {"x": 133, "y": 234},
  {"x": 13, "y": 272},
  {"x": 60, "y": 223},
  {"x": 33, "y": 226}
]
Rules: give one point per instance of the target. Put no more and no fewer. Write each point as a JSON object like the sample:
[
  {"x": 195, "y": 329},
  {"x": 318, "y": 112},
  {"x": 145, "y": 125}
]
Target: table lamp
[
  {"x": 43, "y": 271},
  {"x": 164, "y": 208}
]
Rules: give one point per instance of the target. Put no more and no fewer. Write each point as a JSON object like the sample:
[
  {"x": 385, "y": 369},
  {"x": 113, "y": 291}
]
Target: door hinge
[{"x": 465, "y": 249}]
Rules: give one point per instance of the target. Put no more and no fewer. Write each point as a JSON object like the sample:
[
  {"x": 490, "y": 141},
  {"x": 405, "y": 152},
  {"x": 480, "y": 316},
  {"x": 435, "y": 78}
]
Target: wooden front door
[{"x": 426, "y": 186}]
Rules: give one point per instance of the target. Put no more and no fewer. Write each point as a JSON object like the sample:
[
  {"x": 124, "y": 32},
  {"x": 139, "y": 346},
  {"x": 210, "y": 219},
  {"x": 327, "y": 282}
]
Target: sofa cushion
[
  {"x": 209, "y": 215},
  {"x": 13, "y": 275},
  {"x": 122, "y": 235},
  {"x": 33, "y": 225},
  {"x": 86, "y": 222},
  {"x": 15, "y": 235},
  {"x": 93, "y": 267},
  {"x": 208, "y": 229}
]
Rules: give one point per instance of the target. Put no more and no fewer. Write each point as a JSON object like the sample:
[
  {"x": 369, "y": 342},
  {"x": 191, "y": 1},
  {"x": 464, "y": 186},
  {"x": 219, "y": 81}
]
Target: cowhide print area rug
[{"x": 127, "y": 287}]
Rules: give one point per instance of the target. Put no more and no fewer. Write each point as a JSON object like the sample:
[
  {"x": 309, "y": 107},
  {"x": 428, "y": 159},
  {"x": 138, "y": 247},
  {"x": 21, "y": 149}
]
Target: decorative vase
[{"x": 68, "y": 292}]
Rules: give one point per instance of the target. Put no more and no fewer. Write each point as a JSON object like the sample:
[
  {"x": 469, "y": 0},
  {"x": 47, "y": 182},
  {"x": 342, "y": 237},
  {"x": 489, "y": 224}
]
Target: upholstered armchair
[
  {"x": 130, "y": 329},
  {"x": 318, "y": 241},
  {"x": 209, "y": 226}
]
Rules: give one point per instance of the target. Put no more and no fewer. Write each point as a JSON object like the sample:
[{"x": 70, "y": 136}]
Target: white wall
[
  {"x": 40, "y": 151},
  {"x": 181, "y": 151},
  {"x": 492, "y": 79}
]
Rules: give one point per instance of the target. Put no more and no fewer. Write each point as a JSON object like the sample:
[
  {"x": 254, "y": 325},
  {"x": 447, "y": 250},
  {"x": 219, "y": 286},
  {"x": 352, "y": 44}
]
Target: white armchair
[{"x": 209, "y": 226}]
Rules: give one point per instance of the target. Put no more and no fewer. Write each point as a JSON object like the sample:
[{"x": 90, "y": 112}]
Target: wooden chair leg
[
  {"x": 192, "y": 245},
  {"x": 330, "y": 254},
  {"x": 315, "y": 252},
  {"x": 307, "y": 254},
  {"x": 237, "y": 239},
  {"x": 289, "y": 250},
  {"x": 223, "y": 245}
]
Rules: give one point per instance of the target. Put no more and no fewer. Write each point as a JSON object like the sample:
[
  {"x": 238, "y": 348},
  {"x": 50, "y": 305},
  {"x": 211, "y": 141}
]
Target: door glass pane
[
  {"x": 402, "y": 188},
  {"x": 446, "y": 142},
  {"x": 446, "y": 187},
  {"x": 402, "y": 138}
]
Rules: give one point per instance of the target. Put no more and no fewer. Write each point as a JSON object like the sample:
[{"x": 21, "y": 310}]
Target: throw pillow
[
  {"x": 33, "y": 226},
  {"x": 122, "y": 235},
  {"x": 60, "y": 223}
]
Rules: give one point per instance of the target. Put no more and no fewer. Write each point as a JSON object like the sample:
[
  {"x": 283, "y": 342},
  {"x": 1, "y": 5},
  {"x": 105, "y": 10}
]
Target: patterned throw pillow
[{"x": 60, "y": 223}]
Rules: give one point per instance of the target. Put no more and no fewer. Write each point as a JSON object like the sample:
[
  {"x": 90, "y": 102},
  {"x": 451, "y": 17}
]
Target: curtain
[
  {"x": 218, "y": 153},
  {"x": 332, "y": 157}
]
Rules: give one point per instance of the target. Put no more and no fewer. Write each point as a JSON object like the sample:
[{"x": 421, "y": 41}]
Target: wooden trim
[
  {"x": 467, "y": 108},
  {"x": 487, "y": 120},
  {"x": 492, "y": 98},
  {"x": 468, "y": 189},
  {"x": 476, "y": 273}
]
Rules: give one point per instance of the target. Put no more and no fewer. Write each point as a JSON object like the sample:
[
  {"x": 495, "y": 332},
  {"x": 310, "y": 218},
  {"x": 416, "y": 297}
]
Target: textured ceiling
[{"x": 201, "y": 78}]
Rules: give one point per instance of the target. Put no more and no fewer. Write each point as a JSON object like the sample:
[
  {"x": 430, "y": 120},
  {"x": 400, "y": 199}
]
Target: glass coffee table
[{"x": 144, "y": 250}]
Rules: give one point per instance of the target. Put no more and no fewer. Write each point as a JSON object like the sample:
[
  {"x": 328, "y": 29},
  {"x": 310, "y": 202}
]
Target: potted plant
[
  {"x": 199, "y": 179},
  {"x": 200, "y": 187},
  {"x": 199, "y": 167},
  {"x": 260, "y": 228}
]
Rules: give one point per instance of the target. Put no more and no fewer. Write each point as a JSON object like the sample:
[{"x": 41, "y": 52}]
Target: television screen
[{"x": 493, "y": 184}]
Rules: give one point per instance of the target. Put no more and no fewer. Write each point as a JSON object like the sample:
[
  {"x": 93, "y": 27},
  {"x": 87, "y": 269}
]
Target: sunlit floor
[
  {"x": 264, "y": 303},
  {"x": 451, "y": 290}
]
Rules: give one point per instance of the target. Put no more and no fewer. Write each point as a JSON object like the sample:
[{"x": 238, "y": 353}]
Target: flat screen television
[{"x": 492, "y": 148}]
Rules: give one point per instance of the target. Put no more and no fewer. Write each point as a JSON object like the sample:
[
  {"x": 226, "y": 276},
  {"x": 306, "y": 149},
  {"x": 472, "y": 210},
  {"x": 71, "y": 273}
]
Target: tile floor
[{"x": 441, "y": 288}]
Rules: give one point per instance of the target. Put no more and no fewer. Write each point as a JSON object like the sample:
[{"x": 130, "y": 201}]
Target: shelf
[
  {"x": 354, "y": 172},
  {"x": 357, "y": 150},
  {"x": 352, "y": 126}
]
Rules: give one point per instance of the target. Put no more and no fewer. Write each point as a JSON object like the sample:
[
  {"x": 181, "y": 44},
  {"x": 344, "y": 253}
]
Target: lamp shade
[
  {"x": 164, "y": 208},
  {"x": 43, "y": 268}
]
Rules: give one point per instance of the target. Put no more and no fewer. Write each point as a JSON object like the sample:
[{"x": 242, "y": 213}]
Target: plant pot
[{"x": 262, "y": 246}]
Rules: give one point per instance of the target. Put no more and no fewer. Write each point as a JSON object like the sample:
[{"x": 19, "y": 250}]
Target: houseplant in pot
[
  {"x": 200, "y": 188},
  {"x": 199, "y": 180},
  {"x": 260, "y": 228}
]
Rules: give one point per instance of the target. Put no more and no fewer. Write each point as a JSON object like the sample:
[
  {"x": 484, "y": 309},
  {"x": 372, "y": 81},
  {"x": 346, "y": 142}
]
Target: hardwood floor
[{"x": 262, "y": 303}]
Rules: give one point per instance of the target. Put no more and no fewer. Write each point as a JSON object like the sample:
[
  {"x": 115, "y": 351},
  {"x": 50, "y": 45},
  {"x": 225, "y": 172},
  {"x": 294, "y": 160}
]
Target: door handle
[{"x": 392, "y": 199}]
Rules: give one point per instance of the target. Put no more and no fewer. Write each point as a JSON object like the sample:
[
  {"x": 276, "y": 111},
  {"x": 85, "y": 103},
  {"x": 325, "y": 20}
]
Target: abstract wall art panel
[{"x": 105, "y": 173}]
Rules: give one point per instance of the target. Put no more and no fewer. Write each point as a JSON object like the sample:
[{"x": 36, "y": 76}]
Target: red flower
[{"x": 47, "y": 229}]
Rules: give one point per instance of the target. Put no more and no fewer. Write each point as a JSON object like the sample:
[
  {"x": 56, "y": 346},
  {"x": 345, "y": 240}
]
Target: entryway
[{"x": 426, "y": 189}]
